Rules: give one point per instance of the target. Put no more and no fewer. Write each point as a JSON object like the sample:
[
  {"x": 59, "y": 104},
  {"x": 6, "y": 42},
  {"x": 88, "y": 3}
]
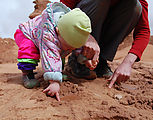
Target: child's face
[{"x": 64, "y": 44}]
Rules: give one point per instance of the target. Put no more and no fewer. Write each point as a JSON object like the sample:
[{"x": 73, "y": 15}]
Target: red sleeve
[
  {"x": 142, "y": 32},
  {"x": 70, "y": 3}
]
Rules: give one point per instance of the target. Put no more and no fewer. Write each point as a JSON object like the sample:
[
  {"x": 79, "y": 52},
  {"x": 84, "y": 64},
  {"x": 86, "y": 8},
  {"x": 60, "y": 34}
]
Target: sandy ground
[{"x": 80, "y": 99}]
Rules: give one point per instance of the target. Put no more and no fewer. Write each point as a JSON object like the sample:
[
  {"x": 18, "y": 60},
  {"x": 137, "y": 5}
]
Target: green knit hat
[{"x": 75, "y": 27}]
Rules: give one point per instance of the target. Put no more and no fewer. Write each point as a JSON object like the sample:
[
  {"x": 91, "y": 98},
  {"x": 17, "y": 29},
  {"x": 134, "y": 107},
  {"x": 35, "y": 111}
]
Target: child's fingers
[
  {"x": 94, "y": 63},
  {"x": 46, "y": 90},
  {"x": 88, "y": 63},
  {"x": 51, "y": 93},
  {"x": 88, "y": 52},
  {"x": 57, "y": 96},
  {"x": 91, "y": 64},
  {"x": 96, "y": 56}
]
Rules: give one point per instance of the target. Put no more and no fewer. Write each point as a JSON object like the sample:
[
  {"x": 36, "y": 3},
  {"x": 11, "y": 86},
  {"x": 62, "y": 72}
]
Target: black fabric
[
  {"x": 77, "y": 68},
  {"x": 111, "y": 24}
]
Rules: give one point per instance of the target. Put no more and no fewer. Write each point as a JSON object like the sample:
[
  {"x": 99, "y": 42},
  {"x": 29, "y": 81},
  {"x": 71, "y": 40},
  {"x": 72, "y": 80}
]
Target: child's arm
[{"x": 52, "y": 65}]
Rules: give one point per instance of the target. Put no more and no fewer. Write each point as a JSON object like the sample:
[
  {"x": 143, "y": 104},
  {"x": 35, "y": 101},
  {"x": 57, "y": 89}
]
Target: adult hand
[
  {"x": 123, "y": 72},
  {"x": 53, "y": 89}
]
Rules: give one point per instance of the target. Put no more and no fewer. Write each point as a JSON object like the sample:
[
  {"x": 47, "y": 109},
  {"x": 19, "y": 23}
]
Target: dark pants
[{"x": 111, "y": 24}]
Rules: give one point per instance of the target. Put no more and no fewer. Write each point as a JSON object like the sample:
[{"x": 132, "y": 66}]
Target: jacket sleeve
[
  {"x": 70, "y": 3},
  {"x": 141, "y": 33}
]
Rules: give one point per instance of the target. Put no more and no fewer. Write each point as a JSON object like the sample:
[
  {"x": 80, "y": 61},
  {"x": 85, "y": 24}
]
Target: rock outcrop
[{"x": 8, "y": 51}]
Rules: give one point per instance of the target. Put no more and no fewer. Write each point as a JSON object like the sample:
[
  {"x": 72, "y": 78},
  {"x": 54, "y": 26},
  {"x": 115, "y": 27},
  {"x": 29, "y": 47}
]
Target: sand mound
[{"x": 8, "y": 51}]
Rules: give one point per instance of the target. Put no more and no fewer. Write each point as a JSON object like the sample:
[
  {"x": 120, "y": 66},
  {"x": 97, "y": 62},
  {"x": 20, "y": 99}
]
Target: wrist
[
  {"x": 52, "y": 82},
  {"x": 130, "y": 59},
  {"x": 53, "y": 76}
]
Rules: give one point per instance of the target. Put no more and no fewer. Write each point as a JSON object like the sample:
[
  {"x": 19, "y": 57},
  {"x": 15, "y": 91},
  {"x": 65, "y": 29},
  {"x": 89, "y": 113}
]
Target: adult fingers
[
  {"x": 120, "y": 78},
  {"x": 126, "y": 78},
  {"x": 113, "y": 79},
  {"x": 57, "y": 96},
  {"x": 110, "y": 78}
]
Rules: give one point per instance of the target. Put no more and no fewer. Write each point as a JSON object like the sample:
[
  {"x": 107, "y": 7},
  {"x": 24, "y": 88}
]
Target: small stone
[
  {"x": 75, "y": 86},
  {"x": 104, "y": 103},
  {"x": 118, "y": 96},
  {"x": 124, "y": 102},
  {"x": 133, "y": 116}
]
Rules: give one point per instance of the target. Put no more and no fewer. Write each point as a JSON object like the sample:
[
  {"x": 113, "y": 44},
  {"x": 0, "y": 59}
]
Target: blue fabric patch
[{"x": 55, "y": 76}]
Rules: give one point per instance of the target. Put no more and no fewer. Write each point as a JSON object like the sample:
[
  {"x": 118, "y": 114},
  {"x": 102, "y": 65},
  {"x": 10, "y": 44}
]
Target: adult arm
[
  {"x": 141, "y": 39},
  {"x": 141, "y": 33},
  {"x": 70, "y": 3}
]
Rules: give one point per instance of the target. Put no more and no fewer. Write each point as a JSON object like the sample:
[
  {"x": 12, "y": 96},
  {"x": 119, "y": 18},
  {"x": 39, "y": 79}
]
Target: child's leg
[
  {"x": 28, "y": 57},
  {"x": 27, "y": 49},
  {"x": 28, "y": 76},
  {"x": 26, "y": 67}
]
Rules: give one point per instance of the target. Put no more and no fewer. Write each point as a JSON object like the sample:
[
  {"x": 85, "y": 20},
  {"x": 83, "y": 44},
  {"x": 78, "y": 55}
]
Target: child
[{"x": 51, "y": 36}]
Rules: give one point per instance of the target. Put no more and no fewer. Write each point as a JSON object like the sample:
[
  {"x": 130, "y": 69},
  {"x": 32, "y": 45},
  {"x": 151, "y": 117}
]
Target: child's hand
[
  {"x": 53, "y": 89},
  {"x": 91, "y": 64},
  {"x": 91, "y": 51}
]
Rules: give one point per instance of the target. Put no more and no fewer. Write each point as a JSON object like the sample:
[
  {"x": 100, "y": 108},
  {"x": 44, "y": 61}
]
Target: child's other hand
[
  {"x": 53, "y": 89},
  {"x": 91, "y": 64},
  {"x": 91, "y": 51}
]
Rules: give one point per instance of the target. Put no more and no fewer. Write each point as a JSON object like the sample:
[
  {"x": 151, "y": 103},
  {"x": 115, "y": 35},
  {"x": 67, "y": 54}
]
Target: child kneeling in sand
[{"x": 52, "y": 36}]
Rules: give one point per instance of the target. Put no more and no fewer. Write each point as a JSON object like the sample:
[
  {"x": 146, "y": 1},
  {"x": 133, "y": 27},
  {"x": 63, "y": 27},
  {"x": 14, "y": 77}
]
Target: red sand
[{"x": 80, "y": 99}]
